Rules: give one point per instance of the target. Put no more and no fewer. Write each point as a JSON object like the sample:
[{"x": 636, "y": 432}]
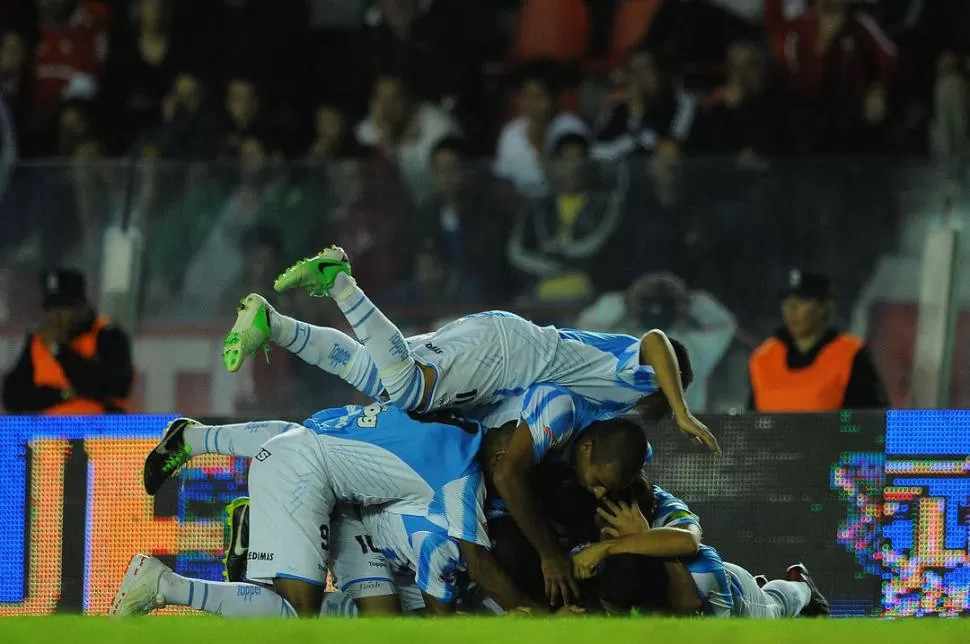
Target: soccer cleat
[
  {"x": 171, "y": 453},
  {"x": 761, "y": 580},
  {"x": 237, "y": 542},
  {"x": 139, "y": 593},
  {"x": 248, "y": 334},
  {"x": 817, "y": 606},
  {"x": 315, "y": 274}
]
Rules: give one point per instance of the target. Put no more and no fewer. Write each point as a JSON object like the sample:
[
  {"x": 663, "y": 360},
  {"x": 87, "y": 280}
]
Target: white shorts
[
  {"x": 749, "y": 598},
  {"x": 291, "y": 499},
  {"x": 359, "y": 569},
  {"x": 483, "y": 356}
]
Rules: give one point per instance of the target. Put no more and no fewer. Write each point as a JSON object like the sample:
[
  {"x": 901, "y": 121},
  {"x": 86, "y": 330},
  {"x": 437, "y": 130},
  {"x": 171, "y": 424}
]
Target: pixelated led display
[
  {"x": 73, "y": 510},
  {"x": 926, "y": 513}
]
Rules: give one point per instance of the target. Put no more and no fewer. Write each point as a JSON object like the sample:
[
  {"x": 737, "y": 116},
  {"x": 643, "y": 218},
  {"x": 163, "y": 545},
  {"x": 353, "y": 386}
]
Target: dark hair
[
  {"x": 452, "y": 144},
  {"x": 619, "y": 443},
  {"x": 569, "y": 138},
  {"x": 683, "y": 362},
  {"x": 565, "y": 502},
  {"x": 263, "y": 235},
  {"x": 633, "y": 581}
]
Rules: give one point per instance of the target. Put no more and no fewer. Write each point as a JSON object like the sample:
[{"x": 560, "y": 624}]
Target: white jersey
[
  {"x": 482, "y": 358},
  {"x": 380, "y": 455},
  {"x": 414, "y": 546}
]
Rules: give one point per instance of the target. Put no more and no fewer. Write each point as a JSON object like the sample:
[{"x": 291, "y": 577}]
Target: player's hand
[
  {"x": 569, "y": 611},
  {"x": 586, "y": 560},
  {"x": 698, "y": 431},
  {"x": 623, "y": 519},
  {"x": 557, "y": 571}
]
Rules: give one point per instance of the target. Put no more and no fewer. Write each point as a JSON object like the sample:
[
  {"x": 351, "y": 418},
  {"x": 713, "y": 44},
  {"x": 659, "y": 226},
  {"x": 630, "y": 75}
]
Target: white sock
[
  {"x": 791, "y": 596},
  {"x": 225, "y": 599},
  {"x": 329, "y": 349},
  {"x": 242, "y": 439},
  {"x": 403, "y": 380}
]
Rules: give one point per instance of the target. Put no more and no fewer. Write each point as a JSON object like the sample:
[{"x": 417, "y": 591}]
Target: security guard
[
  {"x": 76, "y": 364},
  {"x": 809, "y": 366}
]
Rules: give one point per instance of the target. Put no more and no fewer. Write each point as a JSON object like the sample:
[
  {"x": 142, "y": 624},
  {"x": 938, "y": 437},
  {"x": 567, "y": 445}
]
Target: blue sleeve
[
  {"x": 438, "y": 559},
  {"x": 463, "y": 502},
  {"x": 671, "y": 512},
  {"x": 711, "y": 581},
  {"x": 550, "y": 413}
]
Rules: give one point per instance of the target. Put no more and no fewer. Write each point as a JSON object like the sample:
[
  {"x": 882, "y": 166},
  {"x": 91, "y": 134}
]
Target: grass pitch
[{"x": 467, "y": 630}]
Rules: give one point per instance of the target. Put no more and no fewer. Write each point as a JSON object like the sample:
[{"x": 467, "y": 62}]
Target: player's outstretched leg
[
  {"x": 257, "y": 323},
  {"x": 185, "y": 438},
  {"x": 329, "y": 273},
  {"x": 815, "y": 605}
]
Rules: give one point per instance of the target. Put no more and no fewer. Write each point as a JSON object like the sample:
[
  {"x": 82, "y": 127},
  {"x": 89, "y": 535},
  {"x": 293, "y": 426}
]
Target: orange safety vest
[
  {"x": 49, "y": 373},
  {"x": 817, "y": 387}
]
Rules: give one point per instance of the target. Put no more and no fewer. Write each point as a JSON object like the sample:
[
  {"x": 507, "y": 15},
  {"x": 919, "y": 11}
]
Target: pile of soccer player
[{"x": 500, "y": 470}]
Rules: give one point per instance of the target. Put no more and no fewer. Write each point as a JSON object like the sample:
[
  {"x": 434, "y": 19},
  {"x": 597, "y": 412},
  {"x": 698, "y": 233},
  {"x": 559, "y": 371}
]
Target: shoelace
[{"x": 175, "y": 461}]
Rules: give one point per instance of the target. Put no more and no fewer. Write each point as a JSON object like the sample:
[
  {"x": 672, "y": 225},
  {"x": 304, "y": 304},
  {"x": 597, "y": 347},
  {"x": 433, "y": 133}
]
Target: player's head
[
  {"x": 628, "y": 582},
  {"x": 655, "y": 407},
  {"x": 609, "y": 455}
]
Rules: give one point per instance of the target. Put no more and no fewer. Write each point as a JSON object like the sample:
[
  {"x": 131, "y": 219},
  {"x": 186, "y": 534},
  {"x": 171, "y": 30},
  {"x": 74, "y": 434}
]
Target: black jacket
[{"x": 106, "y": 376}]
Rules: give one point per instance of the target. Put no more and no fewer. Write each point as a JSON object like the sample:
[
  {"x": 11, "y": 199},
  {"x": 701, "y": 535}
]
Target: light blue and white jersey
[
  {"x": 671, "y": 512},
  {"x": 378, "y": 455},
  {"x": 415, "y": 545},
  {"x": 483, "y": 358},
  {"x": 711, "y": 581}
]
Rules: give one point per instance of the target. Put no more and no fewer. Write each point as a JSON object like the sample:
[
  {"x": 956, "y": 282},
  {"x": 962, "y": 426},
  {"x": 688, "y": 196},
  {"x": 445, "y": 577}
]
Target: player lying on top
[{"x": 471, "y": 362}]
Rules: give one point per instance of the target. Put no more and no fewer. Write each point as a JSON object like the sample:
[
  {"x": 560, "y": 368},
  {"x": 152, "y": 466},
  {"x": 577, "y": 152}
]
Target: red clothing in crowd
[
  {"x": 861, "y": 55},
  {"x": 71, "y": 55}
]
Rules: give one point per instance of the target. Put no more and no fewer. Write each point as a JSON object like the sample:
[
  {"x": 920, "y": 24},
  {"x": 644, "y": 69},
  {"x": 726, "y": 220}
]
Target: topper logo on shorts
[
  {"x": 433, "y": 348},
  {"x": 260, "y": 556},
  {"x": 339, "y": 357},
  {"x": 262, "y": 454},
  {"x": 248, "y": 591}
]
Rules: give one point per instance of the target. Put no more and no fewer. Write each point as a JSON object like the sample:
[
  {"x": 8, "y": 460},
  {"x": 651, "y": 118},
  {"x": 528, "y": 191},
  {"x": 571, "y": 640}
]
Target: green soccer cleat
[
  {"x": 315, "y": 274},
  {"x": 237, "y": 540},
  {"x": 248, "y": 334}
]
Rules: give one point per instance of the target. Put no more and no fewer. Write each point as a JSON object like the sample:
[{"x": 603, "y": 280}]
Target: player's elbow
[{"x": 689, "y": 542}]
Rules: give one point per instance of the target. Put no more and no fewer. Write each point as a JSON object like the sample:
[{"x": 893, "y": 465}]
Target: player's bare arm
[
  {"x": 512, "y": 482},
  {"x": 486, "y": 571},
  {"x": 682, "y": 596},
  {"x": 659, "y": 542},
  {"x": 657, "y": 352}
]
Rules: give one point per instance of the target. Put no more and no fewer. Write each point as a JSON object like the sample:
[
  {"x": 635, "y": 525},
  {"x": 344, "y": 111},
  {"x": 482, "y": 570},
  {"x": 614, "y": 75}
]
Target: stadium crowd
[{"x": 474, "y": 153}]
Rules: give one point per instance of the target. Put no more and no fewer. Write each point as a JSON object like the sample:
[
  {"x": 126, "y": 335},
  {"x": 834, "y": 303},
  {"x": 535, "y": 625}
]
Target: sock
[
  {"x": 791, "y": 596},
  {"x": 225, "y": 599},
  {"x": 329, "y": 349},
  {"x": 242, "y": 439},
  {"x": 384, "y": 342}
]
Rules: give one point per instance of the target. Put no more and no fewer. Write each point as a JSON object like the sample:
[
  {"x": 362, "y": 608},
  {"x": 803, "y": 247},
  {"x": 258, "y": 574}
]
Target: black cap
[
  {"x": 810, "y": 285},
  {"x": 62, "y": 287}
]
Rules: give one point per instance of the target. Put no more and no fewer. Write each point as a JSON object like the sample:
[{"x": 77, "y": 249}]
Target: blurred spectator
[
  {"x": 15, "y": 75},
  {"x": 78, "y": 363},
  {"x": 366, "y": 218},
  {"x": 840, "y": 66},
  {"x": 186, "y": 131},
  {"x": 651, "y": 111},
  {"x": 950, "y": 127},
  {"x": 332, "y": 136},
  {"x": 809, "y": 366},
  {"x": 261, "y": 246},
  {"x": 73, "y": 47},
  {"x": 73, "y": 127},
  {"x": 242, "y": 112},
  {"x": 662, "y": 301},
  {"x": 438, "y": 280},
  {"x": 558, "y": 240},
  {"x": 144, "y": 60},
  {"x": 744, "y": 117},
  {"x": 469, "y": 216},
  {"x": 196, "y": 252},
  {"x": 405, "y": 130},
  {"x": 526, "y": 142}
]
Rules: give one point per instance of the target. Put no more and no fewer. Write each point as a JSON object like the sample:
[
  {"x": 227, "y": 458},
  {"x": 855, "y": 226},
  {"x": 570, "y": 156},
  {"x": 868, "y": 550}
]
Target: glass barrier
[{"x": 699, "y": 247}]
